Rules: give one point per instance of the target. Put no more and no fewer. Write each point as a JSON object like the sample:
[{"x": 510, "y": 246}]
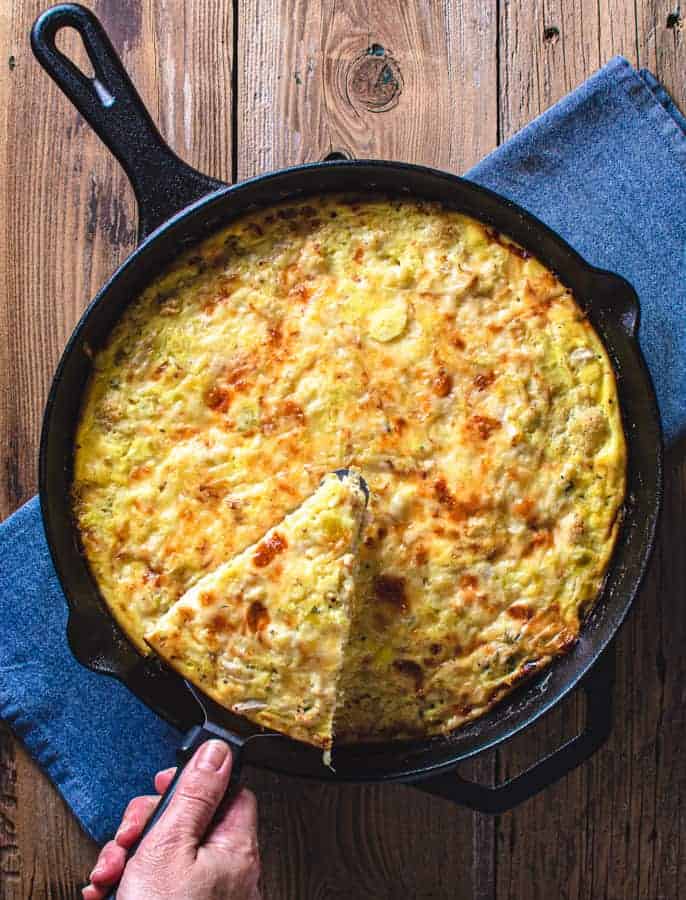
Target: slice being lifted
[{"x": 264, "y": 633}]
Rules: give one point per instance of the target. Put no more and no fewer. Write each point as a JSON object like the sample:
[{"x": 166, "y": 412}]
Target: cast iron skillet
[{"x": 177, "y": 207}]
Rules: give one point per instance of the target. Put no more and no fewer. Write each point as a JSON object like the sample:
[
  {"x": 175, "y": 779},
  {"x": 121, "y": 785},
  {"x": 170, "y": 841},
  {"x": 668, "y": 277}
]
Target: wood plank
[
  {"x": 661, "y": 38},
  {"x": 72, "y": 222},
  {"x": 306, "y": 87},
  {"x": 547, "y": 48},
  {"x": 613, "y": 828},
  {"x": 369, "y": 78},
  {"x": 412, "y": 81}
]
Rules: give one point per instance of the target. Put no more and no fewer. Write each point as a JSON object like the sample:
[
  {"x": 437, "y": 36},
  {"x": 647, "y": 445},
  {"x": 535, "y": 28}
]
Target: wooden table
[{"x": 239, "y": 88}]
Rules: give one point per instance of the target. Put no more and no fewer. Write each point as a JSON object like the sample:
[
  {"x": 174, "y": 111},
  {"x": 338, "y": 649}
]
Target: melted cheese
[
  {"x": 264, "y": 633},
  {"x": 408, "y": 340}
]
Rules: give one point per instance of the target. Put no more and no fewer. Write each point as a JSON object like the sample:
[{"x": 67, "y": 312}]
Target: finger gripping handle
[
  {"x": 163, "y": 184},
  {"x": 193, "y": 740}
]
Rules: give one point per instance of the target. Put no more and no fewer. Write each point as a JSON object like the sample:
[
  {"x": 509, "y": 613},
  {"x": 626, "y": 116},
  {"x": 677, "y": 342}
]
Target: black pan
[{"x": 178, "y": 207}]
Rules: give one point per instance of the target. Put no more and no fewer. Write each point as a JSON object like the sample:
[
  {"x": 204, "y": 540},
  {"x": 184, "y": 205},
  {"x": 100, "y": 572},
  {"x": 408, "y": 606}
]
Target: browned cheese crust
[{"x": 452, "y": 368}]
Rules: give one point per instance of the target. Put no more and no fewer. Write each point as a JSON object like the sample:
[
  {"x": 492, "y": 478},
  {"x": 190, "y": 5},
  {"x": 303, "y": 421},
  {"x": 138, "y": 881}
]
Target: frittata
[
  {"x": 264, "y": 634},
  {"x": 406, "y": 339}
]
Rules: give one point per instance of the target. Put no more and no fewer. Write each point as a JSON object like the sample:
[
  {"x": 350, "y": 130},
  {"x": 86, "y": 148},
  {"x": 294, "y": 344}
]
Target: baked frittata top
[
  {"x": 449, "y": 366},
  {"x": 264, "y": 633}
]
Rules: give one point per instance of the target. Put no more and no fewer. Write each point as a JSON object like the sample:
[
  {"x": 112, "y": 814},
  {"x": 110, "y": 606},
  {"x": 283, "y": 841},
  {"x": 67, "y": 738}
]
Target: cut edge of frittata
[{"x": 264, "y": 634}]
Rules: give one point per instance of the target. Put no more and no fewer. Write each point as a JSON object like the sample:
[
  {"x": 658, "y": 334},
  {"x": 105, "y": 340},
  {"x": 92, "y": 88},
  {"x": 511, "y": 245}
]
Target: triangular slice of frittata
[{"x": 264, "y": 633}]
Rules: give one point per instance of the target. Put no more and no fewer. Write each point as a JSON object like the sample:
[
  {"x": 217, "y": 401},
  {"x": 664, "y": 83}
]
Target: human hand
[{"x": 199, "y": 849}]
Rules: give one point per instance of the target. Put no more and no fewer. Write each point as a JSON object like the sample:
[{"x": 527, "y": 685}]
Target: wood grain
[
  {"x": 432, "y": 82},
  {"x": 612, "y": 829},
  {"x": 324, "y": 95},
  {"x": 314, "y": 74},
  {"x": 68, "y": 219}
]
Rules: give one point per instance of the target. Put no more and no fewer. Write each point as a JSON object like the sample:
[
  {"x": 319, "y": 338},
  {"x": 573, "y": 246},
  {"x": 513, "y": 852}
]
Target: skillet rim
[{"x": 539, "y": 233}]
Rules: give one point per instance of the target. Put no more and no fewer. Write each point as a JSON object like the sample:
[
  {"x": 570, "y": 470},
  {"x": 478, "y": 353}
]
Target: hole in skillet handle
[
  {"x": 163, "y": 184},
  {"x": 598, "y": 687}
]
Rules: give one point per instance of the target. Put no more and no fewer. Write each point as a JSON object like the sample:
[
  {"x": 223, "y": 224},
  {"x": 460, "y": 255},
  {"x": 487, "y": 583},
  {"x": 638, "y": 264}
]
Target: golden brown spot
[
  {"x": 237, "y": 373},
  {"x": 275, "y": 333},
  {"x": 185, "y": 431},
  {"x": 458, "y": 342},
  {"x": 523, "y": 507},
  {"x": 542, "y": 538},
  {"x": 459, "y": 509},
  {"x": 224, "y": 288},
  {"x": 302, "y": 292},
  {"x": 207, "y": 598},
  {"x": 481, "y": 426},
  {"x": 186, "y": 614},
  {"x": 359, "y": 254},
  {"x": 523, "y": 672},
  {"x": 442, "y": 493},
  {"x": 497, "y": 238},
  {"x": 565, "y": 641},
  {"x": 390, "y": 590},
  {"x": 484, "y": 380},
  {"x": 442, "y": 383},
  {"x": 275, "y": 571},
  {"x": 519, "y": 611},
  {"x": 287, "y": 488},
  {"x": 217, "y": 624},
  {"x": 471, "y": 597},
  {"x": 268, "y": 549},
  {"x": 152, "y": 578},
  {"x": 287, "y": 410},
  {"x": 292, "y": 410},
  {"x": 469, "y": 581},
  {"x": 212, "y": 491},
  {"x": 257, "y": 618},
  {"x": 421, "y": 556},
  {"x": 139, "y": 472},
  {"x": 412, "y": 670},
  {"x": 400, "y": 424},
  {"x": 218, "y": 398},
  {"x": 158, "y": 372}
]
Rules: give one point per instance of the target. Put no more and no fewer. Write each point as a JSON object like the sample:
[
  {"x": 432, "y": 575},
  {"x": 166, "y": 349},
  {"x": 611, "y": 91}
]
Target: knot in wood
[{"x": 374, "y": 80}]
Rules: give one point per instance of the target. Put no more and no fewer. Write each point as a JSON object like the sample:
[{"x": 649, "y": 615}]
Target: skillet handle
[
  {"x": 599, "y": 688},
  {"x": 192, "y": 741},
  {"x": 163, "y": 183}
]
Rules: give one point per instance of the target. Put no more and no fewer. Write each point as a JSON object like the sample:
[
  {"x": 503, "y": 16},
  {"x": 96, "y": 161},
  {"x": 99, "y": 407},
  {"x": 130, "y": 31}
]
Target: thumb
[{"x": 199, "y": 791}]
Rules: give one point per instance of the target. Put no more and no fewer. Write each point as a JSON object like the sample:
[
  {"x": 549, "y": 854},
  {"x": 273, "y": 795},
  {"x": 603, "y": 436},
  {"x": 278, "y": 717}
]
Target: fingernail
[
  {"x": 98, "y": 870},
  {"x": 212, "y": 755},
  {"x": 123, "y": 828}
]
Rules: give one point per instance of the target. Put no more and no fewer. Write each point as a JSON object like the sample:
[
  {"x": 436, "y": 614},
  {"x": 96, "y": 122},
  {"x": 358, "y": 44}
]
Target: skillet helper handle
[
  {"x": 163, "y": 183},
  {"x": 192, "y": 741},
  {"x": 598, "y": 687}
]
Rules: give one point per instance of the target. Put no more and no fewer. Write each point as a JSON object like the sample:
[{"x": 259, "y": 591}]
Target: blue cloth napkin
[{"x": 605, "y": 167}]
